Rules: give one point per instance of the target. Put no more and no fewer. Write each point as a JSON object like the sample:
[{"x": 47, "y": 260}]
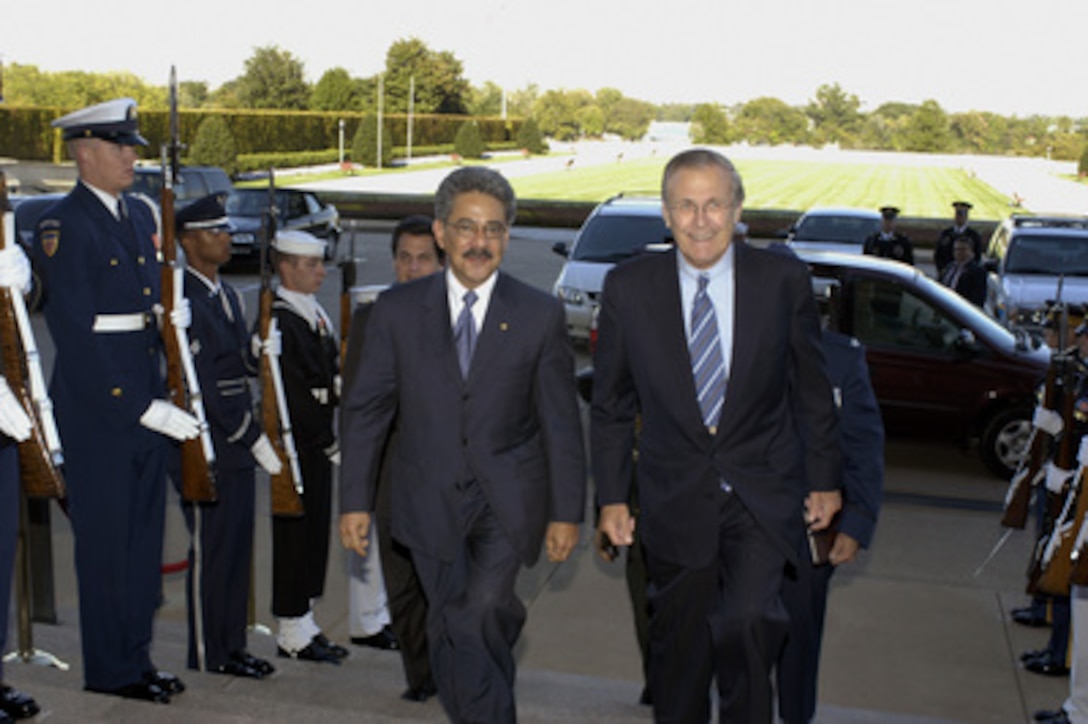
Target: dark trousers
[
  {"x": 473, "y": 617},
  {"x": 407, "y": 606},
  {"x": 9, "y": 532},
  {"x": 117, "y": 504},
  {"x": 805, "y": 597},
  {"x": 726, "y": 621},
  {"x": 220, "y": 552},
  {"x": 300, "y": 546}
]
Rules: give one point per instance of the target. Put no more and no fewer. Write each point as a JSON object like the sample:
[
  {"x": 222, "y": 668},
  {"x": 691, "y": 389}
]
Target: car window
[
  {"x": 241, "y": 203},
  {"x": 1047, "y": 255},
  {"x": 835, "y": 228},
  {"x": 296, "y": 206},
  {"x": 887, "y": 315},
  {"x": 611, "y": 239}
]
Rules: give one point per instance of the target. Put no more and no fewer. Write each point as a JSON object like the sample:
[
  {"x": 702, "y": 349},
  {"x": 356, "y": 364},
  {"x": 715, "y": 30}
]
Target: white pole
[
  {"x": 411, "y": 105},
  {"x": 381, "y": 97},
  {"x": 341, "y": 125}
]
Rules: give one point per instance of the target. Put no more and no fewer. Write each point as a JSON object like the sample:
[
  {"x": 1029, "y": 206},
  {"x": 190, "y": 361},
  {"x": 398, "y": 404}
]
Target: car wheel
[{"x": 1004, "y": 441}]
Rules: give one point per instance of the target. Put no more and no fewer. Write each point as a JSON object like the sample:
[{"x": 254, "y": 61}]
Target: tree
[
  {"x": 928, "y": 130},
  {"x": 591, "y": 121},
  {"x": 770, "y": 120},
  {"x": 835, "y": 115},
  {"x": 557, "y": 113},
  {"x": 334, "y": 91},
  {"x": 214, "y": 145},
  {"x": 530, "y": 138},
  {"x": 709, "y": 125},
  {"x": 364, "y": 146},
  {"x": 629, "y": 118},
  {"x": 438, "y": 82},
  {"x": 273, "y": 79},
  {"x": 485, "y": 100},
  {"x": 193, "y": 93},
  {"x": 521, "y": 102},
  {"x": 468, "y": 142}
]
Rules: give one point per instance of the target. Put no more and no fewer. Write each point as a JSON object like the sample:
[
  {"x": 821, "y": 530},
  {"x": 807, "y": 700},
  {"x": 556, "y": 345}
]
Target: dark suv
[
  {"x": 193, "y": 182},
  {"x": 1029, "y": 255}
]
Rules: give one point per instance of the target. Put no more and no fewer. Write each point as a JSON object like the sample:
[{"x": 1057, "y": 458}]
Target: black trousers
[
  {"x": 805, "y": 596},
  {"x": 474, "y": 617},
  {"x": 9, "y": 532},
  {"x": 220, "y": 553},
  {"x": 300, "y": 546},
  {"x": 724, "y": 621}
]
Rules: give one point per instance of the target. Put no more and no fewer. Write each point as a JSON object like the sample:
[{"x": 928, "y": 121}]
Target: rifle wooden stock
[
  {"x": 285, "y": 500},
  {"x": 197, "y": 481},
  {"x": 40, "y": 477},
  {"x": 1018, "y": 498}
]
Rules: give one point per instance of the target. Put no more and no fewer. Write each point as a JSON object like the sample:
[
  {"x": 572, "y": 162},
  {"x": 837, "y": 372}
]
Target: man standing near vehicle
[
  {"x": 888, "y": 242},
  {"x": 96, "y": 250},
  {"x": 942, "y": 251},
  {"x": 476, "y": 369},
  {"x": 731, "y": 451}
]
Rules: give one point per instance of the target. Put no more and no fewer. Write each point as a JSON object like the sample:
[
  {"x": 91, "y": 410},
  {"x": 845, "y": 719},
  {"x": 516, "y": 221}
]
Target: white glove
[
  {"x": 170, "y": 420},
  {"x": 14, "y": 268},
  {"x": 272, "y": 346},
  {"x": 14, "y": 421},
  {"x": 1048, "y": 421},
  {"x": 333, "y": 453},
  {"x": 1082, "y": 453},
  {"x": 338, "y": 386},
  {"x": 1056, "y": 478},
  {"x": 182, "y": 315},
  {"x": 266, "y": 456}
]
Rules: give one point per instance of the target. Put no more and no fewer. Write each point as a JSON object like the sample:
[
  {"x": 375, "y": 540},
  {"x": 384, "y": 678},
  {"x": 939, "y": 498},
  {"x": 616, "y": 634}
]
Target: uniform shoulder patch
[{"x": 50, "y": 239}]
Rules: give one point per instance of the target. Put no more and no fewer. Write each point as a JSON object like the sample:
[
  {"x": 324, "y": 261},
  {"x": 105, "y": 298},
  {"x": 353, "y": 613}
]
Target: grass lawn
[{"x": 797, "y": 185}]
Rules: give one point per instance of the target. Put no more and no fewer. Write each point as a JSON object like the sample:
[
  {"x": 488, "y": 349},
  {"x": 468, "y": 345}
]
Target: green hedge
[
  {"x": 25, "y": 132},
  {"x": 262, "y": 161}
]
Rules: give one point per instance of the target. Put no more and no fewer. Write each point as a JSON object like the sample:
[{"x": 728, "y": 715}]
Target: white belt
[
  {"x": 120, "y": 322},
  {"x": 321, "y": 394}
]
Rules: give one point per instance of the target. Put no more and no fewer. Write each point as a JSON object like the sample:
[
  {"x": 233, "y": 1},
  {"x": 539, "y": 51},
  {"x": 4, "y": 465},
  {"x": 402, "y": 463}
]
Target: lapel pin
[{"x": 504, "y": 326}]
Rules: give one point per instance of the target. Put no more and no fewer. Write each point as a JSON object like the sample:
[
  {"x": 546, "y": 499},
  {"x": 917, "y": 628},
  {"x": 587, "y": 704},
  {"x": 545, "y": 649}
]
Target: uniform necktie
[
  {"x": 464, "y": 333},
  {"x": 705, "y": 348}
]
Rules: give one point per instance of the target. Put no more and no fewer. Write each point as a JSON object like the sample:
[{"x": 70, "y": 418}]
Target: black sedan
[{"x": 295, "y": 210}]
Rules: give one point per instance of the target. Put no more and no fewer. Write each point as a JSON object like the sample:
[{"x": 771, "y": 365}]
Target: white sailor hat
[
  {"x": 113, "y": 121},
  {"x": 298, "y": 243}
]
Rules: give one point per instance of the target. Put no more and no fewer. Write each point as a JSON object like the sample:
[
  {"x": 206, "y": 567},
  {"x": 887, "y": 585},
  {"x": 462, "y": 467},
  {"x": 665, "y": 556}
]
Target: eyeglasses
[
  {"x": 689, "y": 209},
  {"x": 468, "y": 230}
]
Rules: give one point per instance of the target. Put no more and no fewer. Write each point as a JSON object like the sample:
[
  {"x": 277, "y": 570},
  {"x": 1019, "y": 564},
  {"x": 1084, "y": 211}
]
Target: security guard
[
  {"x": 222, "y": 532},
  {"x": 95, "y": 249},
  {"x": 942, "y": 251},
  {"x": 888, "y": 242},
  {"x": 309, "y": 352}
]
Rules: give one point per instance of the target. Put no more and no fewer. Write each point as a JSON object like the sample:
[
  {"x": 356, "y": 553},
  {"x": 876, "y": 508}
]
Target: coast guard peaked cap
[
  {"x": 298, "y": 243},
  {"x": 206, "y": 213},
  {"x": 113, "y": 121}
]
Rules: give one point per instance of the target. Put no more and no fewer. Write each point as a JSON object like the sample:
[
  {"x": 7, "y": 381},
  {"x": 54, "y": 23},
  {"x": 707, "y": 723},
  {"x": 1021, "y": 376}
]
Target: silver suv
[
  {"x": 1029, "y": 255},
  {"x": 617, "y": 229}
]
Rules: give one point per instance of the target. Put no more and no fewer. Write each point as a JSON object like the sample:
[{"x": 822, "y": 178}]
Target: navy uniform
[
  {"x": 888, "y": 242},
  {"x": 942, "y": 251},
  {"x": 805, "y": 596},
  {"x": 222, "y": 532},
  {"x": 300, "y": 545},
  {"x": 95, "y": 250}
]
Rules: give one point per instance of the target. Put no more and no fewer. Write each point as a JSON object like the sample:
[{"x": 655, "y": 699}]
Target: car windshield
[
  {"x": 611, "y": 239},
  {"x": 248, "y": 203},
  {"x": 1052, "y": 255},
  {"x": 845, "y": 229}
]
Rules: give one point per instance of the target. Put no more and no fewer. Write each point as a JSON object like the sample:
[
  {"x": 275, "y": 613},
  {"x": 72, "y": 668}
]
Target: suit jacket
[
  {"x": 513, "y": 425},
  {"x": 773, "y": 435},
  {"x": 971, "y": 284}
]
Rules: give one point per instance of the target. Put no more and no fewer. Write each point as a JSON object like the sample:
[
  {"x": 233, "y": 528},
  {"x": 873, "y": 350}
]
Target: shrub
[
  {"x": 468, "y": 142},
  {"x": 214, "y": 145},
  {"x": 530, "y": 138},
  {"x": 364, "y": 147}
]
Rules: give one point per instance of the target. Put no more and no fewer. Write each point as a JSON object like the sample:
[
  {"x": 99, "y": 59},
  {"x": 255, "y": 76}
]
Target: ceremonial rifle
[
  {"x": 286, "y": 486},
  {"x": 40, "y": 456},
  {"x": 347, "y": 283},
  {"x": 198, "y": 454}
]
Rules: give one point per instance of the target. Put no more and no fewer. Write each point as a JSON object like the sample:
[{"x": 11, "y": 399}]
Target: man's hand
[
  {"x": 560, "y": 540},
  {"x": 843, "y": 550},
  {"x": 616, "y": 523},
  {"x": 355, "y": 531},
  {"x": 605, "y": 549},
  {"x": 820, "y": 508}
]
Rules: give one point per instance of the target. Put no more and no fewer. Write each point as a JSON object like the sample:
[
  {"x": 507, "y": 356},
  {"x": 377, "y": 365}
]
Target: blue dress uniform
[
  {"x": 102, "y": 279},
  {"x": 805, "y": 596},
  {"x": 222, "y": 532}
]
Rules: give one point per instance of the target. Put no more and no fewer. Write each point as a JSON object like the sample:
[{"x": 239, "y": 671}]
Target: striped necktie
[
  {"x": 705, "y": 348},
  {"x": 464, "y": 333}
]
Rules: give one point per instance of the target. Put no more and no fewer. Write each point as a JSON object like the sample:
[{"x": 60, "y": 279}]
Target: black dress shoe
[
  {"x": 238, "y": 668},
  {"x": 645, "y": 699},
  {"x": 165, "y": 681},
  {"x": 1033, "y": 654},
  {"x": 337, "y": 650},
  {"x": 15, "y": 704},
  {"x": 1046, "y": 666},
  {"x": 1052, "y": 717},
  {"x": 142, "y": 690},
  {"x": 1029, "y": 616},
  {"x": 420, "y": 693},
  {"x": 385, "y": 640},
  {"x": 252, "y": 661},
  {"x": 314, "y": 651}
]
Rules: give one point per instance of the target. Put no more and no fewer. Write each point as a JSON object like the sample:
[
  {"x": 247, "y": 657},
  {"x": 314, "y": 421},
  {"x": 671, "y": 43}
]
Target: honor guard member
[
  {"x": 222, "y": 531},
  {"x": 888, "y": 242},
  {"x": 15, "y": 427},
  {"x": 942, "y": 251},
  {"x": 96, "y": 250},
  {"x": 309, "y": 352}
]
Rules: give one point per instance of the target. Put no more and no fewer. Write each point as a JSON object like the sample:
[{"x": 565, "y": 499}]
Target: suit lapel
[
  {"x": 439, "y": 331},
  {"x": 496, "y": 325}
]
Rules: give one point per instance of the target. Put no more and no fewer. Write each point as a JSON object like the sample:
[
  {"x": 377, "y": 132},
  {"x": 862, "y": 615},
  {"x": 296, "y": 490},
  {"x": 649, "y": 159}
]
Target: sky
[{"x": 1011, "y": 57}]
